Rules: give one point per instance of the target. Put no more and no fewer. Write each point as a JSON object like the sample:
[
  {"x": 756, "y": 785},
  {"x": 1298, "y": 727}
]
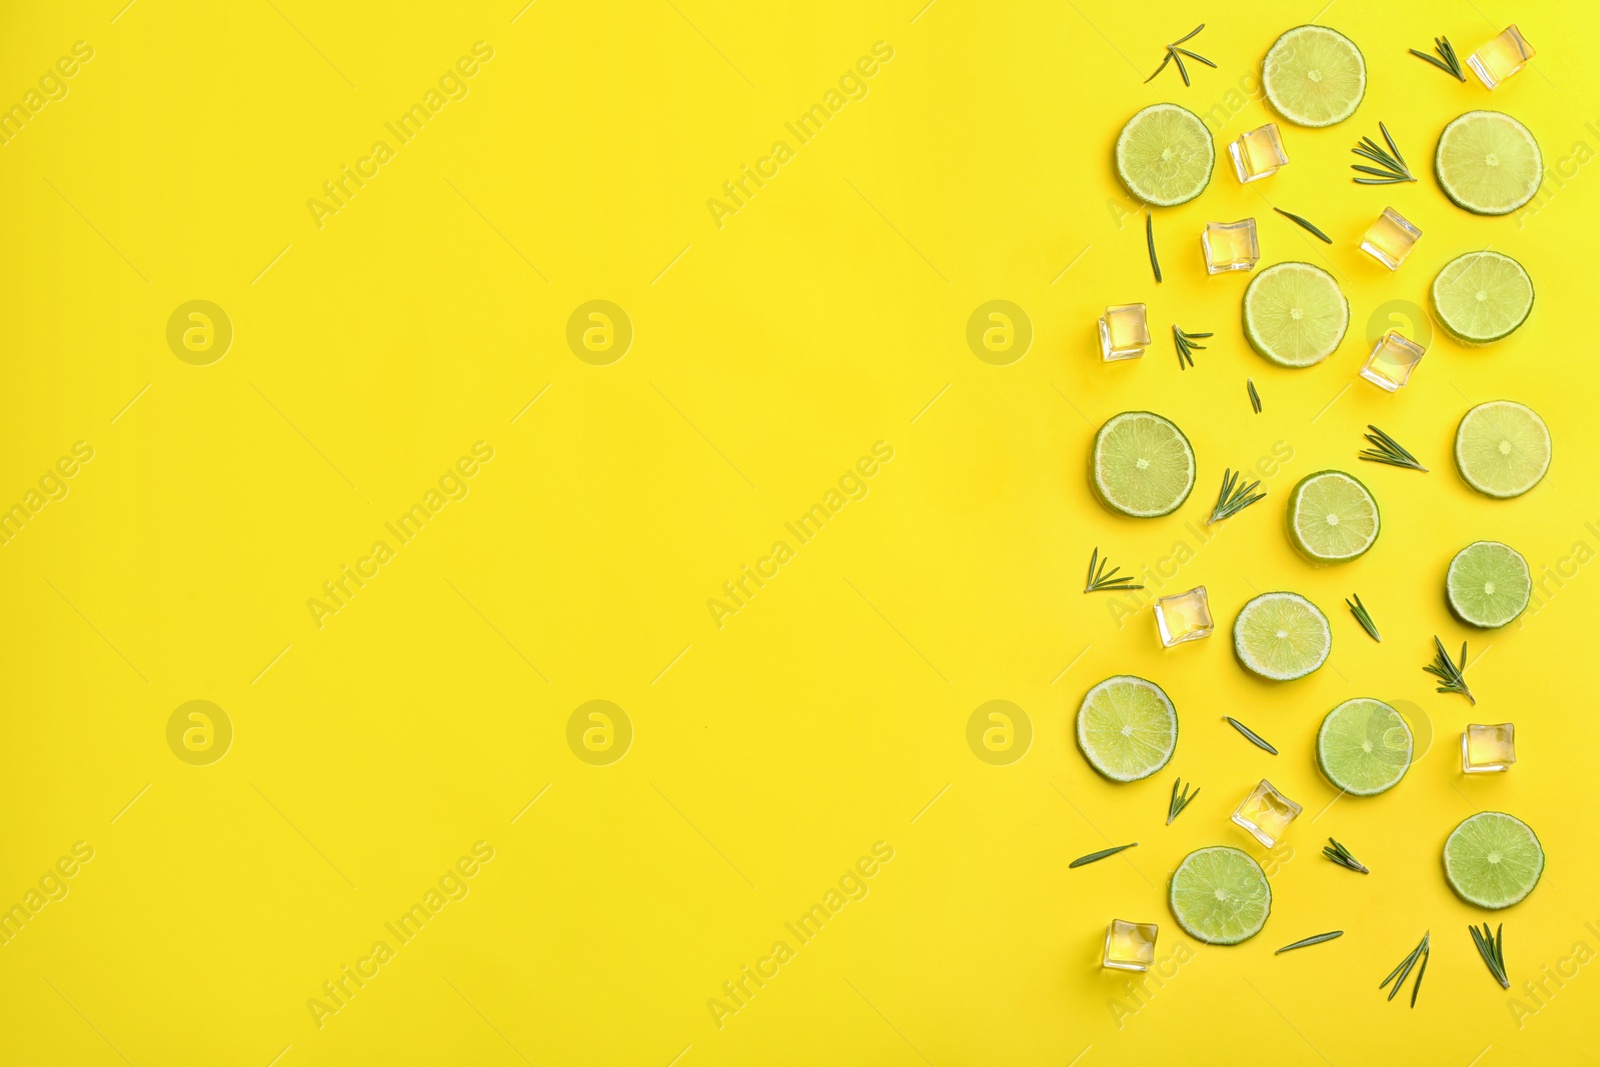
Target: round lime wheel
[
  {"x": 1141, "y": 465},
  {"x": 1220, "y": 896},
  {"x": 1502, "y": 448},
  {"x": 1332, "y": 517},
  {"x": 1488, "y": 163},
  {"x": 1364, "y": 747},
  {"x": 1281, "y": 636},
  {"x": 1482, "y": 297},
  {"x": 1493, "y": 859},
  {"x": 1488, "y": 584},
  {"x": 1314, "y": 76},
  {"x": 1295, "y": 314},
  {"x": 1165, "y": 155},
  {"x": 1127, "y": 728}
]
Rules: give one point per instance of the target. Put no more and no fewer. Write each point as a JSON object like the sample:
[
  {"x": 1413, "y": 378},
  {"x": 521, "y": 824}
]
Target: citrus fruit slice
[
  {"x": 1220, "y": 896},
  {"x": 1165, "y": 155},
  {"x": 1364, "y": 747},
  {"x": 1294, "y": 314},
  {"x": 1281, "y": 636},
  {"x": 1127, "y": 728},
  {"x": 1502, "y": 448},
  {"x": 1141, "y": 465},
  {"x": 1488, "y": 163},
  {"x": 1488, "y": 584},
  {"x": 1332, "y": 517},
  {"x": 1493, "y": 860},
  {"x": 1314, "y": 76},
  {"x": 1482, "y": 297}
]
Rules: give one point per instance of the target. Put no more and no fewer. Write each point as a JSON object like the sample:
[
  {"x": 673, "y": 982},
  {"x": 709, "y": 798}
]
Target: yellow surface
[{"x": 375, "y": 747}]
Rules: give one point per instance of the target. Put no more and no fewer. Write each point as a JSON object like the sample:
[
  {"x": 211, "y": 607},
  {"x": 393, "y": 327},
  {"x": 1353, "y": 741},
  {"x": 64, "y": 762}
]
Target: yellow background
[{"x": 768, "y": 355}]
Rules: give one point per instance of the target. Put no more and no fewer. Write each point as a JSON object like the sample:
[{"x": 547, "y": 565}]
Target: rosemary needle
[
  {"x": 1150, "y": 241},
  {"x": 1305, "y": 223},
  {"x": 1255, "y": 397},
  {"x": 1253, "y": 737},
  {"x": 1314, "y": 939},
  {"x": 1492, "y": 949},
  {"x": 1102, "y": 854},
  {"x": 1101, "y": 579},
  {"x": 1452, "y": 678},
  {"x": 1233, "y": 498},
  {"x": 1179, "y": 802},
  {"x": 1450, "y": 64},
  {"x": 1185, "y": 344},
  {"x": 1341, "y": 855},
  {"x": 1176, "y": 53},
  {"x": 1386, "y": 449},
  {"x": 1364, "y": 617}
]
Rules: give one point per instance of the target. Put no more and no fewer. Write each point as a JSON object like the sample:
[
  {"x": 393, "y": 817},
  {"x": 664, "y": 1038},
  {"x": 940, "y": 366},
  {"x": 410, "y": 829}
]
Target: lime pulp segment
[
  {"x": 1141, "y": 465},
  {"x": 1220, "y": 896},
  {"x": 1314, "y": 76},
  {"x": 1488, "y": 584},
  {"x": 1127, "y": 728},
  {"x": 1164, "y": 155},
  {"x": 1493, "y": 859},
  {"x": 1332, "y": 517},
  {"x": 1482, "y": 297},
  {"x": 1502, "y": 448},
  {"x": 1364, "y": 747},
  {"x": 1295, "y": 314},
  {"x": 1281, "y": 636},
  {"x": 1488, "y": 163}
]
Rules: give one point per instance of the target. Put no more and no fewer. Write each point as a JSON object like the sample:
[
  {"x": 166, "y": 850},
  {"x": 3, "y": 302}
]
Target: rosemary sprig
[
  {"x": 1314, "y": 939},
  {"x": 1102, "y": 854},
  {"x": 1393, "y": 163},
  {"x": 1176, "y": 53},
  {"x": 1306, "y": 223},
  {"x": 1492, "y": 949},
  {"x": 1253, "y": 737},
  {"x": 1185, "y": 343},
  {"x": 1404, "y": 970},
  {"x": 1233, "y": 498},
  {"x": 1179, "y": 801},
  {"x": 1150, "y": 242},
  {"x": 1452, "y": 677},
  {"x": 1255, "y": 397},
  {"x": 1341, "y": 855},
  {"x": 1102, "y": 579},
  {"x": 1386, "y": 449},
  {"x": 1364, "y": 617},
  {"x": 1447, "y": 52}
]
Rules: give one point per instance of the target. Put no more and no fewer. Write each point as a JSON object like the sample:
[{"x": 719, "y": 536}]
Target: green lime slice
[
  {"x": 1493, "y": 860},
  {"x": 1281, "y": 636},
  {"x": 1220, "y": 896},
  {"x": 1332, "y": 517},
  {"x": 1502, "y": 448},
  {"x": 1488, "y": 584},
  {"x": 1364, "y": 747},
  {"x": 1127, "y": 728},
  {"x": 1314, "y": 76},
  {"x": 1141, "y": 465},
  {"x": 1482, "y": 297},
  {"x": 1294, "y": 314},
  {"x": 1488, "y": 163},
  {"x": 1165, "y": 155}
]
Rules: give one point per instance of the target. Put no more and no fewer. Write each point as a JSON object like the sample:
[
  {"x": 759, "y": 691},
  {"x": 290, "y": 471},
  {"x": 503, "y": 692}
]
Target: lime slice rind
[
  {"x": 1493, "y": 860},
  {"x": 1294, "y": 314},
  {"x": 1481, "y": 297},
  {"x": 1488, "y": 163},
  {"x": 1220, "y": 896},
  {"x": 1502, "y": 448},
  {"x": 1281, "y": 636},
  {"x": 1164, "y": 155},
  {"x": 1314, "y": 76},
  {"x": 1488, "y": 584},
  {"x": 1141, "y": 465},
  {"x": 1332, "y": 517},
  {"x": 1364, "y": 747},
  {"x": 1127, "y": 728}
]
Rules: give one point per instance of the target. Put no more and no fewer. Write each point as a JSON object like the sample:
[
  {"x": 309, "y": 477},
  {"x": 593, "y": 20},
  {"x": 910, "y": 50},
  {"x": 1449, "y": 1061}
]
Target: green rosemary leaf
[
  {"x": 1386, "y": 449},
  {"x": 1233, "y": 498},
  {"x": 1254, "y": 738},
  {"x": 1416, "y": 988},
  {"x": 1102, "y": 579},
  {"x": 1372, "y": 170},
  {"x": 1165, "y": 60},
  {"x": 1255, "y": 397},
  {"x": 1102, "y": 854},
  {"x": 1341, "y": 855},
  {"x": 1179, "y": 802},
  {"x": 1364, "y": 617},
  {"x": 1452, "y": 677},
  {"x": 1314, "y": 939},
  {"x": 1191, "y": 55},
  {"x": 1394, "y": 148},
  {"x": 1304, "y": 223},
  {"x": 1436, "y": 62},
  {"x": 1190, "y": 34},
  {"x": 1150, "y": 240},
  {"x": 1176, "y": 54}
]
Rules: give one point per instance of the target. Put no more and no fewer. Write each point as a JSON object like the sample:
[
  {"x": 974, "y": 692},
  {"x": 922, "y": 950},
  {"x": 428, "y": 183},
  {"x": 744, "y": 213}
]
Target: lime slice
[
  {"x": 1294, "y": 314},
  {"x": 1141, "y": 465},
  {"x": 1281, "y": 636},
  {"x": 1332, "y": 517},
  {"x": 1488, "y": 163},
  {"x": 1488, "y": 584},
  {"x": 1220, "y": 896},
  {"x": 1314, "y": 76},
  {"x": 1364, "y": 747},
  {"x": 1492, "y": 860},
  {"x": 1502, "y": 448},
  {"x": 1482, "y": 297},
  {"x": 1127, "y": 728},
  {"x": 1165, "y": 155}
]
